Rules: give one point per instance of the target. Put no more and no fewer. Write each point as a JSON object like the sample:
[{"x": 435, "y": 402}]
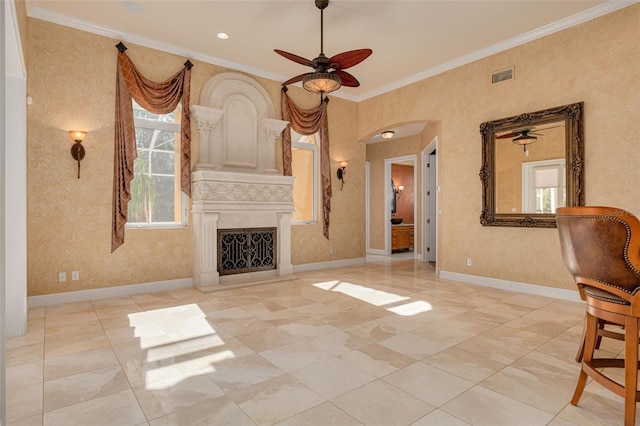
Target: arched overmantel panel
[{"x": 236, "y": 125}]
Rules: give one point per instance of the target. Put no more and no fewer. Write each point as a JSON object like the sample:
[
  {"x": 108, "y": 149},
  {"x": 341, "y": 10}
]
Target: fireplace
[
  {"x": 246, "y": 250},
  {"x": 237, "y": 191}
]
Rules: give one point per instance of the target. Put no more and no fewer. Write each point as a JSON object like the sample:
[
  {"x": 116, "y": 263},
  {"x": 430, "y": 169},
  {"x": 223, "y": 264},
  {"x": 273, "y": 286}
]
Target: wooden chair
[{"x": 601, "y": 248}]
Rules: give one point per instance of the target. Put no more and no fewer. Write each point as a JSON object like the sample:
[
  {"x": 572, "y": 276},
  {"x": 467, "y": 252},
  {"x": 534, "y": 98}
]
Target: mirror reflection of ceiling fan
[
  {"x": 328, "y": 73},
  {"x": 525, "y": 137}
]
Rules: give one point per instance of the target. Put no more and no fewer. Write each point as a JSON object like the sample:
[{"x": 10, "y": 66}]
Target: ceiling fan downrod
[{"x": 322, "y": 5}]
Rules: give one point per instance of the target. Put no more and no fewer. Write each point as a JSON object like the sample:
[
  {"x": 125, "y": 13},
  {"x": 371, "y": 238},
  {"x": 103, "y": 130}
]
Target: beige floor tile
[
  {"x": 413, "y": 345},
  {"x": 379, "y": 403},
  {"x": 375, "y": 330},
  {"x": 243, "y": 372},
  {"x": 467, "y": 365},
  {"x": 295, "y": 356},
  {"x": 275, "y": 400},
  {"x": 24, "y": 354},
  {"x": 332, "y": 377},
  {"x": 24, "y": 402},
  {"x": 269, "y": 338},
  {"x": 439, "y": 418},
  {"x": 480, "y": 406},
  {"x": 219, "y": 412},
  {"x": 377, "y": 360},
  {"x": 339, "y": 342},
  {"x": 29, "y": 421},
  {"x": 325, "y": 414},
  {"x": 71, "y": 343},
  {"x": 71, "y": 390},
  {"x": 544, "y": 393},
  {"x": 595, "y": 410},
  {"x": 59, "y": 323},
  {"x": 158, "y": 399},
  {"x": 428, "y": 383},
  {"x": 120, "y": 409},
  {"x": 26, "y": 374},
  {"x": 79, "y": 362}
]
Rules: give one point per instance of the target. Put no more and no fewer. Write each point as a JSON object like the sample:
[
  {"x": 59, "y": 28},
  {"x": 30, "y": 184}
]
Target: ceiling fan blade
[
  {"x": 295, "y": 58},
  {"x": 509, "y": 135},
  {"x": 347, "y": 79},
  {"x": 348, "y": 59},
  {"x": 296, "y": 79}
]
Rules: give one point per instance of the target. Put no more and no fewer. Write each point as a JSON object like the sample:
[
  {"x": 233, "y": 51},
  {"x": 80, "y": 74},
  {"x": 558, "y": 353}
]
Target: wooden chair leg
[
  {"x": 582, "y": 339},
  {"x": 591, "y": 332},
  {"x": 630, "y": 370}
]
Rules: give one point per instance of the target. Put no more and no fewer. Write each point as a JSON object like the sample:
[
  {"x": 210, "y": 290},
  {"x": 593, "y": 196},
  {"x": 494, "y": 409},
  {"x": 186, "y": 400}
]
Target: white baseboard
[
  {"x": 380, "y": 252},
  {"x": 104, "y": 293},
  {"x": 540, "y": 290},
  {"x": 331, "y": 264}
]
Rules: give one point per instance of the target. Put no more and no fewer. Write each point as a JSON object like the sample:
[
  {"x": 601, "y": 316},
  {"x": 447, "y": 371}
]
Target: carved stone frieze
[{"x": 244, "y": 192}]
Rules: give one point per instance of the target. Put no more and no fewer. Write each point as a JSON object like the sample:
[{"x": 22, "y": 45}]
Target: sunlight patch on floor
[
  {"x": 366, "y": 294},
  {"x": 173, "y": 337},
  {"x": 411, "y": 308}
]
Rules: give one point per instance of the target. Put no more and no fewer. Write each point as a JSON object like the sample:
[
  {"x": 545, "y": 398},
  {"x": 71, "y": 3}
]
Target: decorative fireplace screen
[{"x": 246, "y": 250}]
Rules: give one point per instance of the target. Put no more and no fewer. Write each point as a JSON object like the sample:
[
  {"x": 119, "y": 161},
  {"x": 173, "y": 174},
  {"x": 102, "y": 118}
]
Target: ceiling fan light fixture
[
  {"x": 321, "y": 82},
  {"x": 524, "y": 139},
  {"x": 387, "y": 134}
]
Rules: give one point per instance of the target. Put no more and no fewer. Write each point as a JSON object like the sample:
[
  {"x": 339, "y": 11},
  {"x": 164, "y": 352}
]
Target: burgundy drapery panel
[
  {"x": 307, "y": 122},
  {"x": 158, "y": 98}
]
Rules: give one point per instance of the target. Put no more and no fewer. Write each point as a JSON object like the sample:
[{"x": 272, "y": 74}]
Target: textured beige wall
[
  {"x": 71, "y": 77},
  {"x": 596, "y": 62}
]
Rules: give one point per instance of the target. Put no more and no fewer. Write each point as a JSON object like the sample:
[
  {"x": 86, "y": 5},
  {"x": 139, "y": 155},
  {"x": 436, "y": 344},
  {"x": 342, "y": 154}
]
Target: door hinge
[
  {"x": 428, "y": 193},
  {"x": 428, "y": 220},
  {"x": 428, "y": 164},
  {"x": 428, "y": 248}
]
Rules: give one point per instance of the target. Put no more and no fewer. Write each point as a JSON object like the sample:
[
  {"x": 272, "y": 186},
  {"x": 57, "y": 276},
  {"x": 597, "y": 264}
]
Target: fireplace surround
[{"x": 236, "y": 184}]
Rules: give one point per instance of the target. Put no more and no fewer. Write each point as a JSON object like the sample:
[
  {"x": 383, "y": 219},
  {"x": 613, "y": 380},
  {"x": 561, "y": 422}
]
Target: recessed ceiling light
[
  {"x": 133, "y": 6},
  {"x": 223, "y": 36}
]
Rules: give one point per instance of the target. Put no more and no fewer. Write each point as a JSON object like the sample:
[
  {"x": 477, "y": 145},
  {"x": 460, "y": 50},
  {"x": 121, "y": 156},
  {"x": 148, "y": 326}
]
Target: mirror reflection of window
[{"x": 544, "y": 186}]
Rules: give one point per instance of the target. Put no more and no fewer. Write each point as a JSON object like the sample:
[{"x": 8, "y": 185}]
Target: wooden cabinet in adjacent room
[{"x": 401, "y": 237}]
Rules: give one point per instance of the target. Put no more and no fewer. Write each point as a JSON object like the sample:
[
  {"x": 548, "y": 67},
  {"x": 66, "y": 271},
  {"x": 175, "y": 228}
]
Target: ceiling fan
[
  {"x": 522, "y": 137},
  {"x": 328, "y": 73}
]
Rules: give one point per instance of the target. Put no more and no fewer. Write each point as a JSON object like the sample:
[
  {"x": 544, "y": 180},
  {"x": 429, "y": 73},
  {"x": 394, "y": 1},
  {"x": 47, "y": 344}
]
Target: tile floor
[{"x": 386, "y": 343}]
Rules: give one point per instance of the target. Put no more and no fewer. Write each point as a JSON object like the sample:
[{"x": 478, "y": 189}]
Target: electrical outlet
[
  {"x": 75, "y": 275},
  {"x": 330, "y": 250},
  {"x": 62, "y": 277},
  {"x": 469, "y": 261}
]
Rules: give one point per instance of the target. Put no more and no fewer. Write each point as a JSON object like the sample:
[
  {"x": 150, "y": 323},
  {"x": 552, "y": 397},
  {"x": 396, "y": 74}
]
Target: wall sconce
[
  {"x": 342, "y": 170},
  {"x": 399, "y": 190},
  {"x": 387, "y": 134},
  {"x": 77, "y": 150}
]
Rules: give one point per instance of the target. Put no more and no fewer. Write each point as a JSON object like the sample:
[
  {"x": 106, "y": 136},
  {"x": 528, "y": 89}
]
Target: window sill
[{"x": 156, "y": 226}]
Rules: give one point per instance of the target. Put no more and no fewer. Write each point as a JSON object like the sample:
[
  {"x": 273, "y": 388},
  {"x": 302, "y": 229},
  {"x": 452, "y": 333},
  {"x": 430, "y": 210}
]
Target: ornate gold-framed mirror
[{"x": 532, "y": 164}]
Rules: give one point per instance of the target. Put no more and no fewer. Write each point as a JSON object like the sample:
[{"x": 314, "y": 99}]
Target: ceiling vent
[{"x": 502, "y": 76}]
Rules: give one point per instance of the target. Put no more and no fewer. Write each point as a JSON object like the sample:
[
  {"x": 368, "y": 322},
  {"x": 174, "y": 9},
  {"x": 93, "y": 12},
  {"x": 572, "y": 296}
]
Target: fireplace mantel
[{"x": 226, "y": 200}]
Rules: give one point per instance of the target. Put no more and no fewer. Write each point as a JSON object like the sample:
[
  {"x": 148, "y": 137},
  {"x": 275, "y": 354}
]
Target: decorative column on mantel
[
  {"x": 205, "y": 119},
  {"x": 205, "y": 254},
  {"x": 273, "y": 129}
]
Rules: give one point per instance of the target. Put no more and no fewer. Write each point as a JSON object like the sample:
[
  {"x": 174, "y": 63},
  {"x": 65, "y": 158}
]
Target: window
[
  {"x": 156, "y": 198},
  {"x": 544, "y": 186},
  {"x": 304, "y": 165}
]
